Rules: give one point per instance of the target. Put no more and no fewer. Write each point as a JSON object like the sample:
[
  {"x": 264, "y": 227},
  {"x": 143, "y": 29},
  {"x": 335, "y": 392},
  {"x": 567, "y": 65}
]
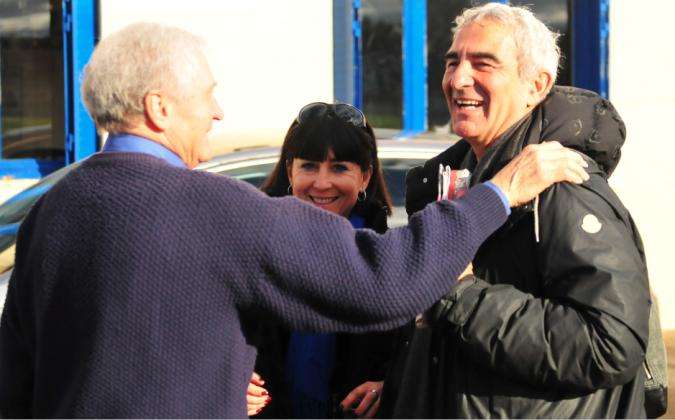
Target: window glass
[
  {"x": 440, "y": 20},
  {"x": 31, "y": 80},
  {"x": 556, "y": 15},
  {"x": 382, "y": 62}
]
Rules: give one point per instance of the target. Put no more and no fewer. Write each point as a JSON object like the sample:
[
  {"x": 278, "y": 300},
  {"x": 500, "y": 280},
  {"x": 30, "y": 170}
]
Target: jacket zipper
[{"x": 647, "y": 371}]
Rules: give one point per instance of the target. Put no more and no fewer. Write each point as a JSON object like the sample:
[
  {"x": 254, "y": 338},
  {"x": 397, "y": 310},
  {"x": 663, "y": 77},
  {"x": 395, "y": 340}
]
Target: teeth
[
  {"x": 322, "y": 200},
  {"x": 464, "y": 102}
]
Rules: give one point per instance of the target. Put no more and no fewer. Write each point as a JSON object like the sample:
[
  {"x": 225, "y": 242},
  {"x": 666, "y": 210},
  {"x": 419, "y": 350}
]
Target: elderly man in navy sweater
[{"x": 138, "y": 282}]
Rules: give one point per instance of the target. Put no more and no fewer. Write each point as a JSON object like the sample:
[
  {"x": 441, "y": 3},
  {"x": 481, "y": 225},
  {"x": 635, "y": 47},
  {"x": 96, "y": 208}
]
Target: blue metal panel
[
  {"x": 358, "y": 60},
  {"x": 414, "y": 67},
  {"x": 343, "y": 52},
  {"x": 79, "y": 34},
  {"x": 590, "y": 45},
  {"x": 28, "y": 168}
]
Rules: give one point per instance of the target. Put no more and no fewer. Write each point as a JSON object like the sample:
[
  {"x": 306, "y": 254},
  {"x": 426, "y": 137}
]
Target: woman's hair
[
  {"x": 313, "y": 139},
  {"x": 536, "y": 43}
]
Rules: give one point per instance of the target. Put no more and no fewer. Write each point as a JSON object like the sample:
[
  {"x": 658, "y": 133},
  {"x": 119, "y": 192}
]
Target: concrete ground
[{"x": 669, "y": 338}]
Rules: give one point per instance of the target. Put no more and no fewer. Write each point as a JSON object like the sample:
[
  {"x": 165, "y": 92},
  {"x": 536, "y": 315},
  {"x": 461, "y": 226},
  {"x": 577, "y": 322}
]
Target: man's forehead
[{"x": 482, "y": 37}]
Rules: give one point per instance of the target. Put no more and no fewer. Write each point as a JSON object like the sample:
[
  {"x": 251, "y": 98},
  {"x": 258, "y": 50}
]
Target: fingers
[
  {"x": 564, "y": 165},
  {"x": 256, "y": 390},
  {"x": 372, "y": 411},
  {"x": 255, "y": 404},
  {"x": 257, "y": 380},
  {"x": 367, "y": 403},
  {"x": 536, "y": 168},
  {"x": 353, "y": 397},
  {"x": 367, "y": 396},
  {"x": 257, "y": 397}
]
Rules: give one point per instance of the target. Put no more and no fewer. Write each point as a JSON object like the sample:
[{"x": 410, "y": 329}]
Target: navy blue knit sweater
[{"x": 137, "y": 284}]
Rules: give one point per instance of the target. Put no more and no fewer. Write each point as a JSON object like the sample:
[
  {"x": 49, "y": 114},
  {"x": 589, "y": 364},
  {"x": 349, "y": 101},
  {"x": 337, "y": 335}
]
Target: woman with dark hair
[{"x": 328, "y": 158}]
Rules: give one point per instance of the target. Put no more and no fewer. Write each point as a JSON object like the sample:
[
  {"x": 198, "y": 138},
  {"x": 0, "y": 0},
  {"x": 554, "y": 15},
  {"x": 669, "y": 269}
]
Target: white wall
[
  {"x": 642, "y": 88},
  {"x": 269, "y": 57}
]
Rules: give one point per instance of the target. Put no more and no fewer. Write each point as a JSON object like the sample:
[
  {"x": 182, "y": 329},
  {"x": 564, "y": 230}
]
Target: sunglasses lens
[
  {"x": 345, "y": 112},
  {"x": 310, "y": 111},
  {"x": 350, "y": 114}
]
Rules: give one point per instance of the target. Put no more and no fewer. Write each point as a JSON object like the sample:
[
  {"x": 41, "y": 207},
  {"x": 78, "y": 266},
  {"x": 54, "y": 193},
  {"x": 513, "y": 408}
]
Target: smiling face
[
  {"x": 482, "y": 87},
  {"x": 329, "y": 184}
]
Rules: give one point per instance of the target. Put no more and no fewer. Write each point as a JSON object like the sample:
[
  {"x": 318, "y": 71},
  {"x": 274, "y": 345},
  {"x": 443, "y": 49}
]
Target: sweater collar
[{"x": 134, "y": 144}]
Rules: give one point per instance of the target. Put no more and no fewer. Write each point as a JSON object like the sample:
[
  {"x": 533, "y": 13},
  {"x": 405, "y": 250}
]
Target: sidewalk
[{"x": 669, "y": 338}]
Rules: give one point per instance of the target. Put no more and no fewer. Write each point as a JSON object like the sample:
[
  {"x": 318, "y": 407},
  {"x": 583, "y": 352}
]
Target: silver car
[{"x": 253, "y": 166}]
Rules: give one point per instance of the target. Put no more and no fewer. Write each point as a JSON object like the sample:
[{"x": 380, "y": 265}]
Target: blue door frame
[
  {"x": 79, "y": 18},
  {"x": 590, "y": 45},
  {"x": 79, "y": 37}
]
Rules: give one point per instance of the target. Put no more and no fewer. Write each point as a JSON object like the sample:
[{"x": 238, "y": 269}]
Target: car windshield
[
  {"x": 253, "y": 171},
  {"x": 15, "y": 209}
]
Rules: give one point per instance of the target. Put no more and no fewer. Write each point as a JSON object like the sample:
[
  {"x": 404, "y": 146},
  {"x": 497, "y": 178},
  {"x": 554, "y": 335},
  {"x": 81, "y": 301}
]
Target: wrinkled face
[
  {"x": 331, "y": 185},
  {"x": 484, "y": 93},
  {"x": 193, "y": 116}
]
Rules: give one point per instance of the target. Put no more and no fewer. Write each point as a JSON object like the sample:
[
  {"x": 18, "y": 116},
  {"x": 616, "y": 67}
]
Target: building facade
[{"x": 270, "y": 57}]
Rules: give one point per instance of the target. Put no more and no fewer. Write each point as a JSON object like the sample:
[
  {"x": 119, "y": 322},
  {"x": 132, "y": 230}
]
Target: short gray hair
[
  {"x": 131, "y": 62},
  {"x": 536, "y": 44}
]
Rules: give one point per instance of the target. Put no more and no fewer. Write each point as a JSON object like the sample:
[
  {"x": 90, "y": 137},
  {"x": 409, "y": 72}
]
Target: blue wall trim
[
  {"x": 28, "y": 168},
  {"x": 356, "y": 54},
  {"x": 79, "y": 37},
  {"x": 343, "y": 52},
  {"x": 414, "y": 66},
  {"x": 590, "y": 45}
]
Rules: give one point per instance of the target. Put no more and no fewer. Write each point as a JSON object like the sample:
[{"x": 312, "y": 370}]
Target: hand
[
  {"x": 538, "y": 167},
  {"x": 468, "y": 271},
  {"x": 367, "y": 396},
  {"x": 257, "y": 397}
]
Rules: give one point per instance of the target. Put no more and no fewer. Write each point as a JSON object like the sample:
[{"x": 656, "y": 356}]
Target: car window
[
  {"x": 16, "y": 208},
  {"x": 254, "y": 174},
  {"x": 394, "y": 170}
]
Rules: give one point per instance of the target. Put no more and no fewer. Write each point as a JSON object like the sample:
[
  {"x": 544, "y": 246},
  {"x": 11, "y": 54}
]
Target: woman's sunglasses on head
[{"x": 347, "y": 113}]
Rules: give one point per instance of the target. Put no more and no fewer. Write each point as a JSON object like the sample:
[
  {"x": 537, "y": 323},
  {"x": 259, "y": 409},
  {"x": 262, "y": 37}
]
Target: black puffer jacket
[{"x": 549, "y": 328}]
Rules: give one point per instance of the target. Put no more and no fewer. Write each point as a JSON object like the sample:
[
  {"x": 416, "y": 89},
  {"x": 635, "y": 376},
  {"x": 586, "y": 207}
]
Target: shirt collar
[{"x": 135, "y": 144}]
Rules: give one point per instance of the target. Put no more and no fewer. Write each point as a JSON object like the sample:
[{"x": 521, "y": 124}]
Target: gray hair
[
  {"x": 536, "y": 44},
  {"x": 131, "y": 62}
]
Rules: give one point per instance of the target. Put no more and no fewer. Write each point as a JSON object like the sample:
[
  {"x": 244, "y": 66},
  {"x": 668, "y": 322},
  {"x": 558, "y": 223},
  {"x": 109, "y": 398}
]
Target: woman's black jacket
[{"x": 359, "y": 357}]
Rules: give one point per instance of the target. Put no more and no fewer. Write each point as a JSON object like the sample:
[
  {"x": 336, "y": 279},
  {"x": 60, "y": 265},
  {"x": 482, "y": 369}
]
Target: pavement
[{"x": 669, "y": 338}]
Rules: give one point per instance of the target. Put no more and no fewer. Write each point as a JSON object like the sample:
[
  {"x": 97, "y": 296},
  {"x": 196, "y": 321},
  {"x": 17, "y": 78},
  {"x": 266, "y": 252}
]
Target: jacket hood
[{"x": 584, "y": 121}]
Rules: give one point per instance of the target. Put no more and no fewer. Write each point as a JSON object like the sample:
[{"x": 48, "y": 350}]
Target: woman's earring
[
  {"x": 361, "y": 196},
  {"x": 289, "y": 189}
]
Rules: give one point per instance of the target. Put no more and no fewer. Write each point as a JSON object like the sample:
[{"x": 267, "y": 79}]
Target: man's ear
[
  {"x": 157, "y": 110},
  {"x": 540, "y": 86}
]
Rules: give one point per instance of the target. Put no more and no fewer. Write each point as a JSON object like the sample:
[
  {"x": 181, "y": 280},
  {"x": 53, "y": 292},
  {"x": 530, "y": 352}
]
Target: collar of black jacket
[{"x": 577, "y": 118}]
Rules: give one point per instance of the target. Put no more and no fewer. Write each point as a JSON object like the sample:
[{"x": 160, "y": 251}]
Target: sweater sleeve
[
  {"x": 588, "y": 329},
  {"x": 16, "y": 379},
  {"x": 313, "y": 271}
]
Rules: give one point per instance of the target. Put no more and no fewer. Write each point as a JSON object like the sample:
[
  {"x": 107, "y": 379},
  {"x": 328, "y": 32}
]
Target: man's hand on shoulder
[{"x": 538, "y": 167}]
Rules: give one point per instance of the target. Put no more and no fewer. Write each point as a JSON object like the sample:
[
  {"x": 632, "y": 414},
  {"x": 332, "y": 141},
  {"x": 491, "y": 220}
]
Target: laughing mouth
[
  {"x": 322, "y": 200},
  {"x": 468, "y": 103}
]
